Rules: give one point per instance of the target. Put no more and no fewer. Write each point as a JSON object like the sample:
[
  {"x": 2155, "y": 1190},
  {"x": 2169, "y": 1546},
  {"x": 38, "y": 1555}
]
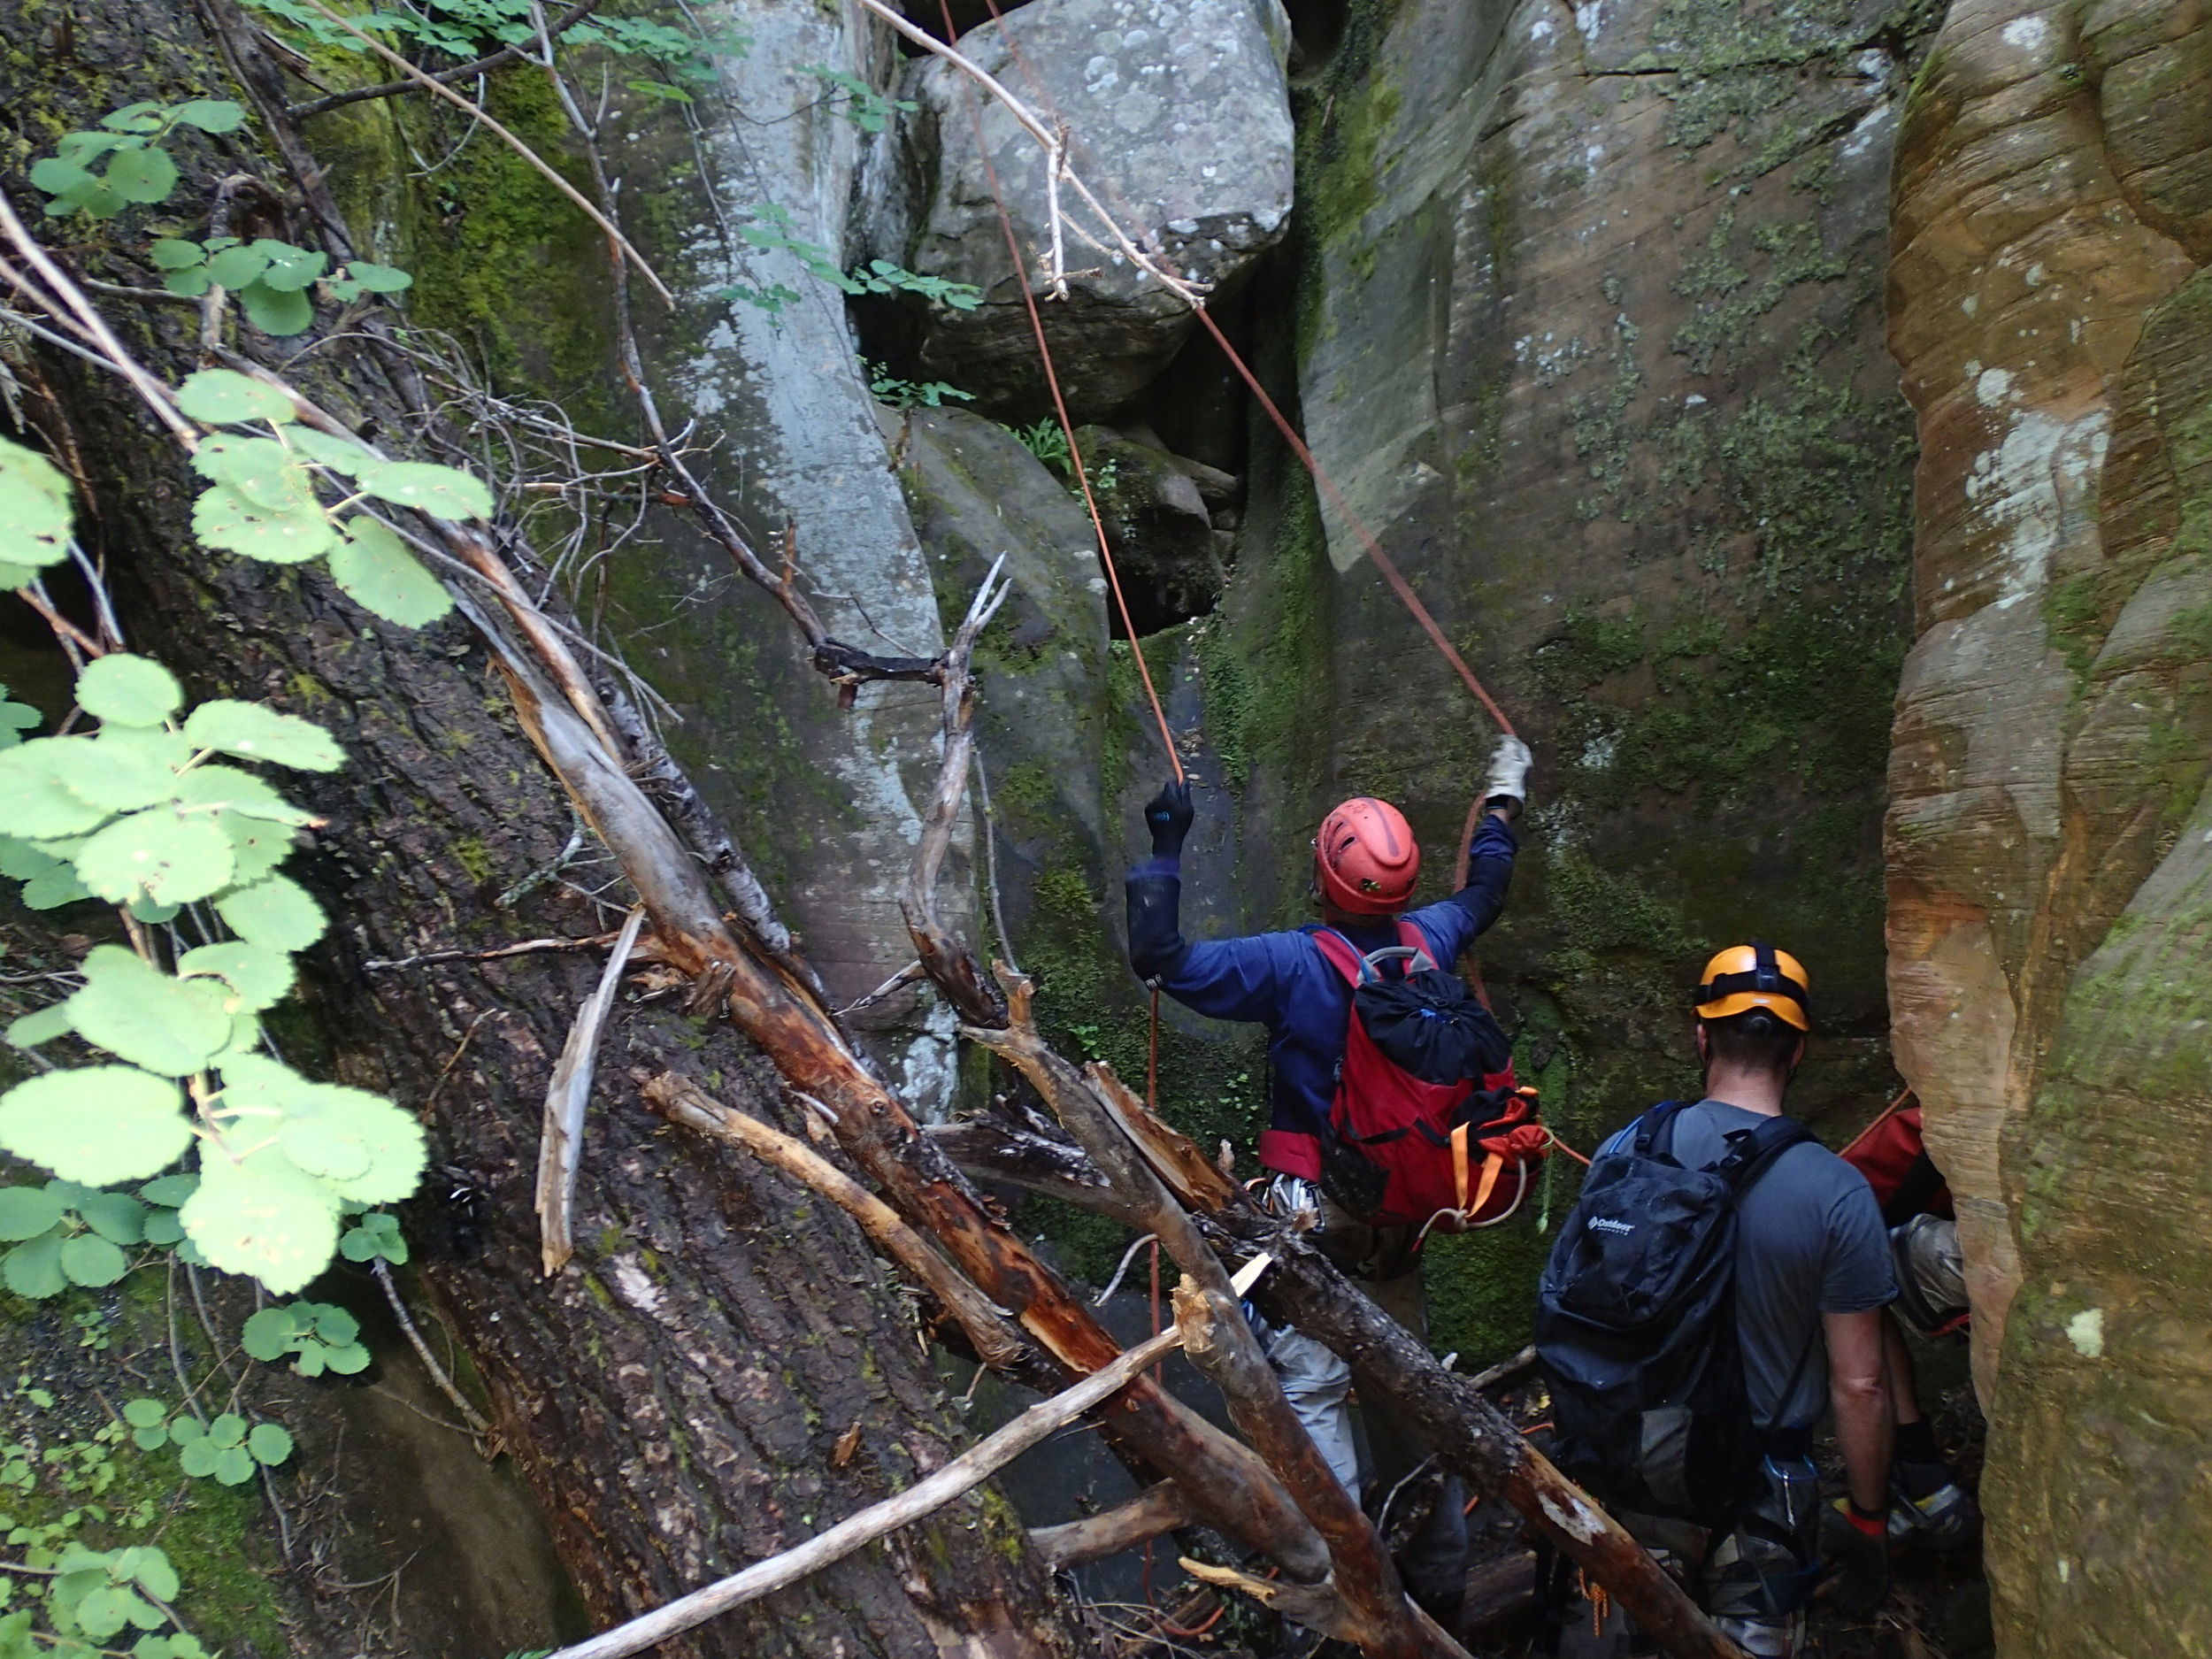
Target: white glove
[{"x": 1508, "y": 770}]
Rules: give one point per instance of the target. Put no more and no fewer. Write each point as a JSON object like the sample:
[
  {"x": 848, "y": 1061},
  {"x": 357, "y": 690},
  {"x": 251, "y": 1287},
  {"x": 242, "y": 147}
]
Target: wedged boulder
[
  {"x": 2046, "y": 837},
  {"x": 1169, "y": 525},
  {"x": 1179, "y": 118}
]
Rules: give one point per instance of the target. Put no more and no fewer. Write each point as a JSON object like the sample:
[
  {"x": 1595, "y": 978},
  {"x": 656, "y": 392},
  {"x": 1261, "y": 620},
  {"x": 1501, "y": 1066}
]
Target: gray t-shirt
[{"x": 1810, "y": 1241}]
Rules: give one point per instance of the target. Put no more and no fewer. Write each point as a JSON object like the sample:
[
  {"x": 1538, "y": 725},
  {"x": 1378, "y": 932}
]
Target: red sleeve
[{"x": 1885, "y": 1157}]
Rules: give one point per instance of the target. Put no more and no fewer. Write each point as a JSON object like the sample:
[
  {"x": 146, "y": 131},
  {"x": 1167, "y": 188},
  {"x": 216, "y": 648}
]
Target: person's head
[
  {"x": 1753, "y": 1010},
  {"x": 1365, "y": 860}
]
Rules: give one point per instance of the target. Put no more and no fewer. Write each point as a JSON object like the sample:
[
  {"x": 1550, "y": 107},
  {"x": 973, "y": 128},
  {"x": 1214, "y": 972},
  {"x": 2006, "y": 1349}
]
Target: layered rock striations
[{"x": 2047, "y": 838}]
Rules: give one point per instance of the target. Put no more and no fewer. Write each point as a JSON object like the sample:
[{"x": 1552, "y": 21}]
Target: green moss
[
  {"x": 1728, "y": 298},
  {"x": 474, "y": 856}
]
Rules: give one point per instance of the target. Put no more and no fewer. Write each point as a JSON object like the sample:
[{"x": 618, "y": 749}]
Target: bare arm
[{"x": 1860, "y": 1394}]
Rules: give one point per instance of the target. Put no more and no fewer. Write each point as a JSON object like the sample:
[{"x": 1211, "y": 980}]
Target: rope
[
  {"x": 1322, "y": 480},
  {"x": 1887, "y": 1112},
  {"x": 1060, "y": 408}
]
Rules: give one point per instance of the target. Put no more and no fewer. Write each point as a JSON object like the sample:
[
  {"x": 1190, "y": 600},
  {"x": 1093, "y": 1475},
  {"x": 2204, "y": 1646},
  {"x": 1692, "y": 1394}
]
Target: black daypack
[{"x": 1636, "y": 1325}]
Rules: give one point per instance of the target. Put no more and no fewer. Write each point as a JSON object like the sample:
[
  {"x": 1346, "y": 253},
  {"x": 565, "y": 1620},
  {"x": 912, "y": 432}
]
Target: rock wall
[
  {"x": 1584, "y": 315},
  {"x": 2046, "y": 840}
]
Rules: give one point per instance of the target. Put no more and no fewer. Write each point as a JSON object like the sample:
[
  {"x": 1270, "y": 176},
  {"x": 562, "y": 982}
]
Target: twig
[
  {"x": 561, "y": 1142},
  {"x": 986, "y": 1325},
  {"x": 906, "y": 975},
  {"x": 469, "y": 1413},
  {"x": 1159, "y": 1509},
  {"x": 437, "y": 1084},
  {"x": 176, "y": 1355},
  {"x": 514, "y": 143},
  {"x": 1504, "y": 1369},
  {"x": 499, "y": 59},
  {"x": 962, "y": 1475},
  {"x": 990, "y": 861},
  {"x": 523, "y": 947}
]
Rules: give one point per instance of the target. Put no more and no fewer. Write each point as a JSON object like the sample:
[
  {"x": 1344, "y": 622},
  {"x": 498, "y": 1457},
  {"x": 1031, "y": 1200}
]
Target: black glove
[
  {"x": 1167, "y": 814},
  {"x": 1858, "y": 1562}
]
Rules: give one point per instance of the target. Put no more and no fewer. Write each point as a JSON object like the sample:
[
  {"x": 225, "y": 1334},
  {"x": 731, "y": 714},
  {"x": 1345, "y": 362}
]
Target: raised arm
[
  {"x": 1233, "y": 979},
  {"x": 1454, "y": 923}
]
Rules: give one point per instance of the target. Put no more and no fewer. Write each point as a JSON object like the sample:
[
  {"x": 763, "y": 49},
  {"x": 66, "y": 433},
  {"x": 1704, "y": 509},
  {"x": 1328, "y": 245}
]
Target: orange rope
[
  {"x": 1886, "y": 1113},
  {"x": 1327, "y": 485},
  {"x": 1060, "y": 408}
]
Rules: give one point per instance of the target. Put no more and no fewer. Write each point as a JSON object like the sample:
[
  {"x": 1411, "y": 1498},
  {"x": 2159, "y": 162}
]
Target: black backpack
[{"x": 1636, "y": 1325}]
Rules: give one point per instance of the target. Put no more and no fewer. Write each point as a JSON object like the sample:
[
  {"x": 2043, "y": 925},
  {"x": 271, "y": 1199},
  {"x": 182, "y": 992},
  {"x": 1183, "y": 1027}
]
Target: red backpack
[{"x": 1408, "y": 1105}]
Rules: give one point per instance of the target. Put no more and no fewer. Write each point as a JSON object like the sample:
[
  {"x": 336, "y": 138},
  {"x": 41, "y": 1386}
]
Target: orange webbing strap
[{"x": 1492, "y": 1166}]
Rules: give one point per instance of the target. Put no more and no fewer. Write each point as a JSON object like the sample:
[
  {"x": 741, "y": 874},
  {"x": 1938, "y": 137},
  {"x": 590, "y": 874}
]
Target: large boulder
[
  {"x": 1178, "y": 116},
  {"x": 2047, "y": 834}
]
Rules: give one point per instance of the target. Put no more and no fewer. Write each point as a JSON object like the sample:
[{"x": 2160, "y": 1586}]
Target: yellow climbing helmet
[{"x": 1745, "y": 977}]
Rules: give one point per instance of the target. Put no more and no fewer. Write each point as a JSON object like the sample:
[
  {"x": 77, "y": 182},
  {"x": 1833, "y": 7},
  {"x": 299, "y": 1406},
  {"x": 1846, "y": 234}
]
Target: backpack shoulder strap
[
  {"x": 1655, "y": 1130},
  {"x": 1411, "y": 937},
  {"x": 1756, "y": 1153},
  {"x": 1341, "y": 954}
]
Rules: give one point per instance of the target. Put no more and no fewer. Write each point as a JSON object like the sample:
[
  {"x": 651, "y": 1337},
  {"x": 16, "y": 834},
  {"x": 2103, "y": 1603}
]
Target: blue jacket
[{"x": 1283, "y": 981}]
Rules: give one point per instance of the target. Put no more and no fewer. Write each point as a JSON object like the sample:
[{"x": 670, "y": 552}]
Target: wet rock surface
[
  {"x": 2046, "y": 836},
  {"x": 1180, "y": 118}
]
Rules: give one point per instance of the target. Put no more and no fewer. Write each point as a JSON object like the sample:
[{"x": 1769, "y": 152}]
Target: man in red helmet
[{"x": 1365, "y": 864}]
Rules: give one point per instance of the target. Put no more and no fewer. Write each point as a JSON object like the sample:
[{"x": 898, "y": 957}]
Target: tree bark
[{"x": 676, "y": 1396}]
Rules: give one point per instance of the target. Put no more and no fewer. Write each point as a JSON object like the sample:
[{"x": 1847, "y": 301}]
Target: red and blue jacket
[{"x": 1283, "y": 981}]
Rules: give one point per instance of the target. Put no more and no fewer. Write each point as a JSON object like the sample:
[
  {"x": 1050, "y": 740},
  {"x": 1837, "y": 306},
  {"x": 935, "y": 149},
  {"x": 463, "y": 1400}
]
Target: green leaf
[
  {"x": 235, "y": 1467},
  {"x": 186, "y": 1430},
  {"x": 227, "y": 1429},
  {"x": 97, "y": 1123},
  {"x": 151, "y": 1569},
  {"x": 209, "y": 115},
  {"x": 34, "y": 1270},
  {"x": 256, "y": 847},
  {"x": 36, "y": 803},
  {"x": 163, "y": 1227},
  {"x": 332, "y": 1324},
  {"x": 170, "y": 859},
  {"x": 377, "y": 279},
  {"x": 89, "y": 1259},
  {"x": 342, "y": 455},
  {"x": 347, "y": 1360},
  {"x": 261, "y": 734},
  {"x": 262, "y": 1218},
  {"x": 145, "y": 175},
  {"x": 172, "y": 253},
  {"x": 170, "y": 1190},
  {"x": 443, "y": 492},
  {"x": 104, "y": 1611},
  {"x": 54, "y": 888},
  {"x": 290, "y": 269},
  {"x": 225, "y": 789},
  {"x": 173, "y": 1026},
  {"x": 150, "y": 1439},
  {"x": 126, "y": 767},
  {"x": 223, "y": 518},
  {"x": 116, "y": 1217},
  {"x": 198, "y": 1456},
  {"x": 237, "y": 268},
  {"x": 20, "y": 860},
  {"x": 279, "y": 312},
  {"x": 192, "y": 281},
  {"x": 15, "y": 719},
  {"x": 61, "y": 175},
  {"x": 260, "y": 471},
  {"x": 366, "y": 1147},
  {"x": 28, "y": 1211},
  {"x": 260, "y": 976},
  {"x": 130, "y": 690},
  {"x": 276, "y": 912},
  {"x": 270, "y": 1443},
  {"x": 35, "y": 509},
  {"x": 43, "y": 1027},
  {"x": 218, "y": 398},
  {"x": 268, "y": 1334},
  {"x": 142, "y": 1413},
  {"x": 142, "y": 117},
  {"x": 376, "y": 573}
]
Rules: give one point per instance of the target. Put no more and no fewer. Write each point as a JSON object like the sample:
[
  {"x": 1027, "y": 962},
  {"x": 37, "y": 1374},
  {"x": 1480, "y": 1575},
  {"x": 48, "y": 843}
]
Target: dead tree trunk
[{"x": 683, "y": 1397}]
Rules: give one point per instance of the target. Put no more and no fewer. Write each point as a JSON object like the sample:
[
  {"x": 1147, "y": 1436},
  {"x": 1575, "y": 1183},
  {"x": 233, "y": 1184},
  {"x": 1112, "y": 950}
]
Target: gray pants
[{"x": 1433, "y": 1561}]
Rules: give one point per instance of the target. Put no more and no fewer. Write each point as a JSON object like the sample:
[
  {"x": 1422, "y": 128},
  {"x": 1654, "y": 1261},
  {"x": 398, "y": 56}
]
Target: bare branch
[
  {"x": 561, "y": 1140},
  {"x": 962, "y": 1475},
  {"x": 1159, "y": 1509},
  {"x": 499, "y": 59}
]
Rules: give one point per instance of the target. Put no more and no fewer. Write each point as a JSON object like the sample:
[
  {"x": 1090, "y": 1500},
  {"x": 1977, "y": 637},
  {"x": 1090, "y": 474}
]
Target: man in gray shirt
[{"x": 1813, "y": 1274}]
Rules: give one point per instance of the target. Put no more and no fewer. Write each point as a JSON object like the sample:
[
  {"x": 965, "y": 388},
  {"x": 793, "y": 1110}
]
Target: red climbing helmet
[{"x": 1365, "y": 858}]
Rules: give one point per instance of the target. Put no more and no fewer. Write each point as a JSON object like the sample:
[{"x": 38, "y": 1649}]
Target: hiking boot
[{"x": 1944, "y": 1518}]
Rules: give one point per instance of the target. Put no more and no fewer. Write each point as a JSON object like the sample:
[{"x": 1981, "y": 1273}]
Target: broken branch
[
  {"x": 1156, "y": 1509},
  {"x": 561, "y": 1141},
  {"x": 962, "y": 1475}
]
